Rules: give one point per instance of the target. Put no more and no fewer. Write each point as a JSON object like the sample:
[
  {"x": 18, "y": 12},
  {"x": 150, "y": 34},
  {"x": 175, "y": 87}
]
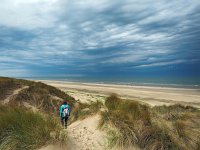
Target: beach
[{"x": 153, "y": 96}]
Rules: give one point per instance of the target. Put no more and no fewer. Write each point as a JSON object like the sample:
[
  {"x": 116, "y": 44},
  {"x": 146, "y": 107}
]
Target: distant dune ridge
[{"x": 133, "y": 119}]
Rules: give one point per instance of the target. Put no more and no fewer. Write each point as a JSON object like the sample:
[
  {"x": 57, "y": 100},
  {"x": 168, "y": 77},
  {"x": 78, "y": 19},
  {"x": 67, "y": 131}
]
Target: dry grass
[
  {"x": 37, "y": 94},
  {"x": 83, "y": 110},
  {"x": 158, "y": 128},
  {"x": 22, "y": 129},
  {"x": 41, "y": 96},
  {"x": 7, "y": 85}
]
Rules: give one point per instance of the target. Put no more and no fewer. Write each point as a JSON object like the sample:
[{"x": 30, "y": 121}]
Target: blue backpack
[{"x": 65, "y": 111}]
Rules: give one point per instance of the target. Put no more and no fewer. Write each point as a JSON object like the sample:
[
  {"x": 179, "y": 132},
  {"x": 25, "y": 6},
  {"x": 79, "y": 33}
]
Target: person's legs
[{"x": 65, "y": 119}]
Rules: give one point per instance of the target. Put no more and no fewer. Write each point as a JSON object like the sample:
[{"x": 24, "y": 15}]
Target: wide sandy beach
[{"x": 150, "y": 95}]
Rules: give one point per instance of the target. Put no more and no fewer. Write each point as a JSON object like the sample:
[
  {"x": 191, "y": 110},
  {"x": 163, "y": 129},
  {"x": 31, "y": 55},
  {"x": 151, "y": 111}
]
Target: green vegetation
[
  {"x": 44, "y": 97},
  {"x": 37, "y": 86},
  {"x": 131, "y": 124},
  {"x": 84, "y": 110},
  {"x": 128, "y": 123},
  {"x": 7, "y": 85},
  {"x": 22, "y": 129}
]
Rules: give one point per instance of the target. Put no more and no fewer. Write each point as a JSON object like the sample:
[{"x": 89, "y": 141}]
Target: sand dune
[{"x": 14, "y": 93}]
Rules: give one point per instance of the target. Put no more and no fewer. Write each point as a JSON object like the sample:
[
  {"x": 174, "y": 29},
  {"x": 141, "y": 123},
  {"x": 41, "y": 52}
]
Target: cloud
[
  {"x": 30, "y": 14},
  {"x": 163, "y": 63},
  {"x": 90, "y": 35}
]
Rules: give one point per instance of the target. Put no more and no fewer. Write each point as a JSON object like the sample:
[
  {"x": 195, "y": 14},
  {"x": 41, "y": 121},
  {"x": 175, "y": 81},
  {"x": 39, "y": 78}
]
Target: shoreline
[
  {"x": 126, "y": 85},
  {"x": 150, "y": 95},
  {"x": 132, "y": 83}
]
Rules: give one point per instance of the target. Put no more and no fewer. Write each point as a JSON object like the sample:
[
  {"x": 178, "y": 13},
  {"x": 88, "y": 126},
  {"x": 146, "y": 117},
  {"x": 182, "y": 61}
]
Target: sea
[{"x": 175, "y": 82}]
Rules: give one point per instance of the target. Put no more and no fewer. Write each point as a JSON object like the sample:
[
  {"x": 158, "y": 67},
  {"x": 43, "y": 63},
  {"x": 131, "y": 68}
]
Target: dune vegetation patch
[
  {"x": 83, "y": 110},
  {"x": 7, "y": 85},
  {"x": 131, "y": 124},
  {"x": 23, "y": 129},
  {"x": 30, "y": 118},
  {"x": 44, "y": 97}
]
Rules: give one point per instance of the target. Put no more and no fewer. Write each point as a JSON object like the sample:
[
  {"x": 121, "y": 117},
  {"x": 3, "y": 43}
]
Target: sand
[
  {"x": 82, "y": 135},
  {"x": 86, "y": 135},
  {"x": 151, "y": 95}
]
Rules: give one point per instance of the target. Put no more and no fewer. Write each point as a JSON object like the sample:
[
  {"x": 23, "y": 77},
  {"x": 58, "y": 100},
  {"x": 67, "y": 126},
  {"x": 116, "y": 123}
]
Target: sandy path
[
  {"x": 83, "y": 135},
  {"x": 86, "y": 136},
  {"x": 53, "y": 147},
  {"x": 15, "y": 92}
]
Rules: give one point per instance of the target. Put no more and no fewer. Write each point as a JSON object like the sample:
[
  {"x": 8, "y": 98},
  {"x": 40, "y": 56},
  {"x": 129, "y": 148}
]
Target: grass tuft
[
  {"x": 7, "y": 85},
  {"x": 84, "y": 110},
  {"x": 22, "y": 129},
  {"x": 158, "y": 128}
]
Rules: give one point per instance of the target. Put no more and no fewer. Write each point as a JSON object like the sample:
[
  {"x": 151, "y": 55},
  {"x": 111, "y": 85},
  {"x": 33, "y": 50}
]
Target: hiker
[{"x": 64, "y": 113}]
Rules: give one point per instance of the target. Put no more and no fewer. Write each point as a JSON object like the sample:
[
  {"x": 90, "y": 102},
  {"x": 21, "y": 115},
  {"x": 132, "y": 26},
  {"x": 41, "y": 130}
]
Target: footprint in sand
[{"x": 85, "y": 136}]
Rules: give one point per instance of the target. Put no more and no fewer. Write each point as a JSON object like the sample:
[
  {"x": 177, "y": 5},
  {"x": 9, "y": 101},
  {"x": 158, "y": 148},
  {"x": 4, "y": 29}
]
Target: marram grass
[
  {"x": 131, "y": 124},
  {"x": 21, "y": 129}
]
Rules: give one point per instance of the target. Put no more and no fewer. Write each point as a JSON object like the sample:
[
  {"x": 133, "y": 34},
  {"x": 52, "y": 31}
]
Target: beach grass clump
[
  {"x": 114, "y": 138},
  {"x": 184, "y": 121},
  {"x": 158, "y": 128},
  {"x": 23, "y": 129},
  {"x": 176, "y": 108},
  {"x": 188, "y": 133},
  {"x": 127, "y": 110},
  {"x": 40, "y": 98},
  {"x": 84, "y": 110},
  {"x": 7, "y": 85},
  {"x": 124, "y": 116},
  {"x": 180, "y": 127}
]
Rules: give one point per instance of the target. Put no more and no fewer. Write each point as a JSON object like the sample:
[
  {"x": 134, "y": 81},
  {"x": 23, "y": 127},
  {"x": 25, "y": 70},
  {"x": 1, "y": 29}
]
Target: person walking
[{"x": 64, "y": 113}]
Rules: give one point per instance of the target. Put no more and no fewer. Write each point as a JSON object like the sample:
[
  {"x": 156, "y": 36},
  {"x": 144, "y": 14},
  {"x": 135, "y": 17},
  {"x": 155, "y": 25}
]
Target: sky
[{"x": 100, "y": 38}]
